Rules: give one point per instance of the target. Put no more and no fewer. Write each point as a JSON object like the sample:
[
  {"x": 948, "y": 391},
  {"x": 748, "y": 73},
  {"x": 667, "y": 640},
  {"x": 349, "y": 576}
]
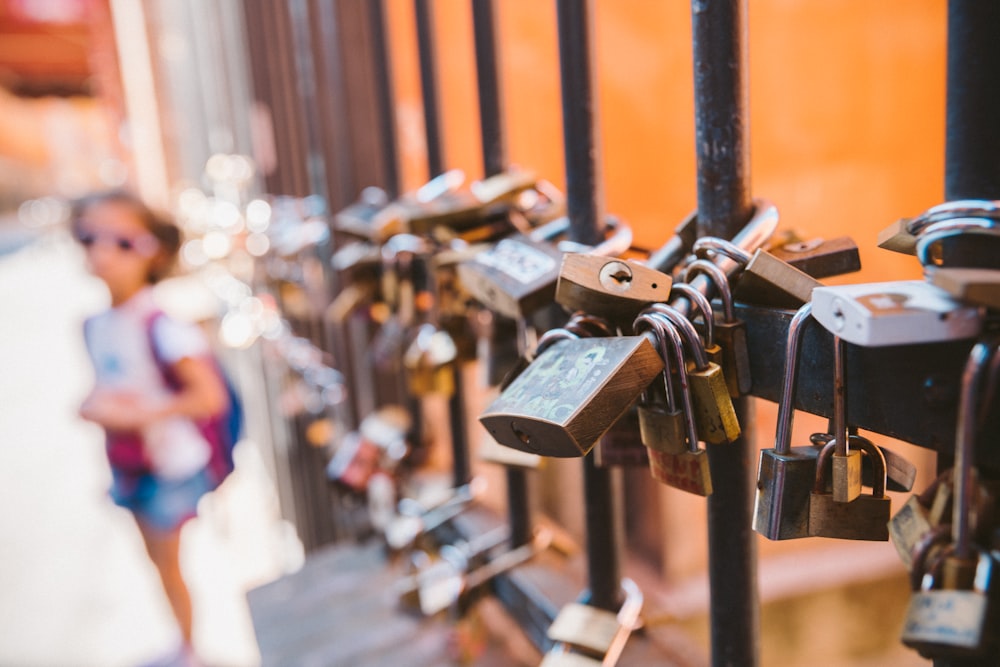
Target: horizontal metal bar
[{"x": 909, "y": 392}]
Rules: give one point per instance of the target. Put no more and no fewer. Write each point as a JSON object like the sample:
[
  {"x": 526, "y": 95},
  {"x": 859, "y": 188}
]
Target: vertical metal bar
[
  {"x": 494, "y": 162},
  {"x": 490, "y": 90},
  {"x": 972, "y": 148},
  {"x": 385, "y": 98},
  {"x": 581, "y": 146},
  {"x": 302, "y": 56},
  {"x": 724, "y": 206},
  {"x": 428, "y": 85},
  {"x": 585, "y": 203},
  {"x": 461, "y": 467},
  {"x": 972, "y": 157}
]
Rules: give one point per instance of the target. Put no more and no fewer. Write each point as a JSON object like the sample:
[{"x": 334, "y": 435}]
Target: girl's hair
[{"x": 161, "y": 227}]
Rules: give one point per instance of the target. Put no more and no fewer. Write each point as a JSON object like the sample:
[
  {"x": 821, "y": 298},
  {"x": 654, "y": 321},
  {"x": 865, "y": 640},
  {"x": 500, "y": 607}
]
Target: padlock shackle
[
  {"x": 702, "y": 304},
  {"x": 669, "y": 329},
  {"x": 615, "y": 245},
  {"x": 786, "y": 407},
  {"x": 966, "y": 430},
  {"x": 649, "y": 322},
  {"x": 708, "y": 245},
  {"x": 686, "y": 329},
  {"x": 586, "y": 325},
  {"x": 958, "y": 208},
  {"x": 936, "y": 536},
  {"x": 718, "y": 278},
  {"x": 840, "y": 433},
  {"x": 939, "y": 231}
]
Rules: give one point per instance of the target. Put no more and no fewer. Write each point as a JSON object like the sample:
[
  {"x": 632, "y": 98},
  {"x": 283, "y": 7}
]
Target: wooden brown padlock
[{"x": 615, "y": 289}]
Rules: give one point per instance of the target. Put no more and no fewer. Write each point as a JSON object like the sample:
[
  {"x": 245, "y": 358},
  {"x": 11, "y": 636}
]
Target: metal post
[
  {"x": 385, "y": 98},
  {"x": 461, "y": 466},
  {"x": 494, "y": 162},
  {"x": 585, "y": 203},
  {"x": 972, "y": 155},
  {"x": 428, "y": 85},
  {"x": 724, "y": 206},
  {"x": 972, "y": 165}
]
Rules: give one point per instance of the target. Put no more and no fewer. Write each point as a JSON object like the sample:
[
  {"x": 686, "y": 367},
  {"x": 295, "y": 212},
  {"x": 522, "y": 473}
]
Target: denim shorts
[{"x": 160, "y": 503}]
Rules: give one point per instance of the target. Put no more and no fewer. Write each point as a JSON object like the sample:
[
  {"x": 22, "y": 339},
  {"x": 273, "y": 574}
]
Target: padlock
[
  {"x": 429, "y": 361},
  {"x": 786, "y": 474},
  {"x": 570, "y": 395},
  {"x": 592, "y": 633},
  {"x": 622, "y": 445},
  {"x": 580, "y": 325},
  {"x": 730, "y": 332},
  {"x": 846, "y": 472},
  {"x": 896, "y": 238},
  {"x": 769, "y": 281},
  {"x": 503, "y": 186},
  {"x": 515, "y": 277},
  {"x": 900, "y": 472},
  {"x": 864, "y": 518},
  {"x": 820, "y": 258},
  {"x": 952, "y": 623},
  {"x": 970, "y": 285},
  {"x": 714, "y": 413},
  {"x": 701, "y": 305},
  {"x": 661, "y": 427},
  {"x": 952, "y": 614},
  {"x": 764, "y": 280},
  {"x": 616, "y": 289},
  {"x": 361, "y": 219},
  {"x": 907, "y": 526},
  {"x": 689, "y": 469},
  {"x": 902, "y": 312}
]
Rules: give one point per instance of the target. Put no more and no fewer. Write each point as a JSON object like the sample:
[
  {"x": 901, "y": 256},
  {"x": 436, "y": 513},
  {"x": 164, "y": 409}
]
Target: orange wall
[{"x": 846, "y": 99}]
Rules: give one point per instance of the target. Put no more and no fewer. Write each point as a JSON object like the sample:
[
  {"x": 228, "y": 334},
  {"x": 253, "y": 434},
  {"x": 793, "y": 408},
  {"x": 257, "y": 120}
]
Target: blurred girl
[{"x": 158, "y": 457}]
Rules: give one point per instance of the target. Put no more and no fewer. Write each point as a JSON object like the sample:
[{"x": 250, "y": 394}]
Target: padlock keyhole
[{"x": 616, "y": 276}]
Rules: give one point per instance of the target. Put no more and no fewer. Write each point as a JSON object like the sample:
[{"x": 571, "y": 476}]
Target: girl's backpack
[{"x": 222, "y": 431}]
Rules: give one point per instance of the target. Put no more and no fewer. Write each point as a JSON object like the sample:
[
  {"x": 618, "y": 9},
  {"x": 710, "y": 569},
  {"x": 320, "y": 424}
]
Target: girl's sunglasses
[{"x": 145, "y": 245}]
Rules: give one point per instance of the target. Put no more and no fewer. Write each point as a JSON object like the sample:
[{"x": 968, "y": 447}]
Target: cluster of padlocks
[
  {"x": 623, "y": 356},
  {"x": 652, "y": 348}
]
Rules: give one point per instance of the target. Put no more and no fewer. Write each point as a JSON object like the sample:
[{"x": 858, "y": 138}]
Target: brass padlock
[
  {"x": 661, "y": 427},
  {"x": 596, "y": 636},
  {"x": 786, "y": 474},
  {"x": 846, "y": 462},
  {"x": 429, "y": 361},
  {"x": 688, "y": 469},
  {"x": 572, "y": 394},
  {"x": 952, "y": 613},
  {"x": 864, "y": 518},
  {"x": 765, "y": 280},
  {"x": 730, "y": 332},
  {"x": 900, "y": 472},
  {"x": 713, "y": 408},
  {"x": 943, "y": 622},
  {"x": 616, "y": 289}
]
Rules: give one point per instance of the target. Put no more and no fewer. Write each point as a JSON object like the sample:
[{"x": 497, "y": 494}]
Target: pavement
[{"x": 76, "y": 587}]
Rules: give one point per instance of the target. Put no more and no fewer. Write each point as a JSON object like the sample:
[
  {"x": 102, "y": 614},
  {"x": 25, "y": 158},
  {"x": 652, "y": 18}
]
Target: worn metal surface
[{"x": 722, "y": 149}]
